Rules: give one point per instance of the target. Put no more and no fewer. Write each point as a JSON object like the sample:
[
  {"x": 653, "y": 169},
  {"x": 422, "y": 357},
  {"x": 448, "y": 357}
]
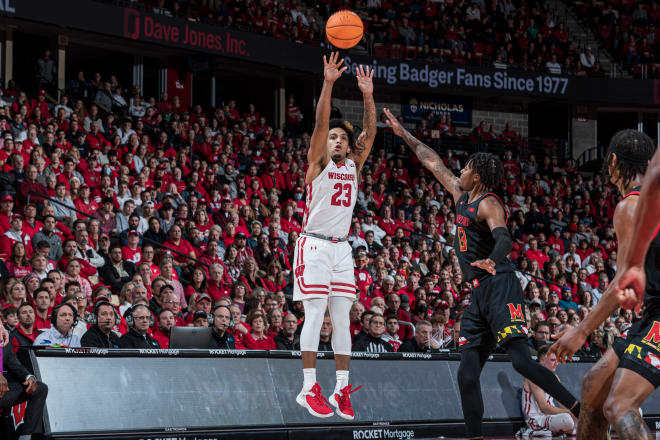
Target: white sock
[
  {"x": 342, "y": 380},
  {"x": 309, "y": 378}
]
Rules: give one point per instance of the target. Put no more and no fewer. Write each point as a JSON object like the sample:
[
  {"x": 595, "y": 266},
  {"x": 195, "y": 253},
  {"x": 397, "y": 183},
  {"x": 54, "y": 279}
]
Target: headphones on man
[
  {"x": 128, "y": 316},
  {"x": 93, "y": 318},
  {"x": 53, "y": 314},
  {"x": 211, "y": 316}
]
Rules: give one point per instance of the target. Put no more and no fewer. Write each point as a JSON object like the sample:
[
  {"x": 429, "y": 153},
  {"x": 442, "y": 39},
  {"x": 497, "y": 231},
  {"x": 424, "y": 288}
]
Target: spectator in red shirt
[
  {"x": 25, "y": 333},
  {"x": 16, "y": 294},
  {"x": 275, "y": 320},
  {"x": 394, "y": 309},
  {"x": 42, "y": 309},
  {"x": 6, "y": 206},
  {"x": 257, "y": 339},
  {"x": 533, "y": 253},
  {"x": 556, "y": 242},
  {"x": 18, "y": 264},
  {"x": 175, "y": 242},
  {"x": 163, "y": 328}
]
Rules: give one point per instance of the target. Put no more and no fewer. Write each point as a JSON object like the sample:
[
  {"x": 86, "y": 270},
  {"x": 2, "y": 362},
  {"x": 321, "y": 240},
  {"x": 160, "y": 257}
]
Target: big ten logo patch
[{"x": 516, "y": 312}]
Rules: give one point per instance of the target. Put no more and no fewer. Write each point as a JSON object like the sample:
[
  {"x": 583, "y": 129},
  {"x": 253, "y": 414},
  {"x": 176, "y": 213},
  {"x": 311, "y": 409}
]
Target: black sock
[{"x": 522, "y": 362}]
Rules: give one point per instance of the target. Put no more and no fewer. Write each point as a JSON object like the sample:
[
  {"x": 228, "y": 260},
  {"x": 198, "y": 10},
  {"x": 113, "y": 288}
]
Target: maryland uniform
[
  {"x": 323, "y": 261},
  {"x": 496, "y": 312},
  {"x": 639, "y": 347}
]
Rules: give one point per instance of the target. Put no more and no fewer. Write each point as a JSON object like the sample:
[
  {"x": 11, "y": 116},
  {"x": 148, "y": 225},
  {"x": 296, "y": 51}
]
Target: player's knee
[
  {"x": 562, "y": 423},
  {"x": 467, "y": 378},
  {"x": 614, "y": 407}
]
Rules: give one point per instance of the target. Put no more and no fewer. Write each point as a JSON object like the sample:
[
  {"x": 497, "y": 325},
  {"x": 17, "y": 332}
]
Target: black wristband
[{"x": 503, "y": 244}]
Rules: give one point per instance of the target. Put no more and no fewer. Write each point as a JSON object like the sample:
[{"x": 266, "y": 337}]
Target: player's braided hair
[
  {"x": 346, "y": 126},
  {"x": 489, "y": 168},
  {"x": 633, "y": 150}
]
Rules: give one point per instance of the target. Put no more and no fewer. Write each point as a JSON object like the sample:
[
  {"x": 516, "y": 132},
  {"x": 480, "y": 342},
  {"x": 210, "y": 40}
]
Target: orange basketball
[{"x": 344, "y": 29}]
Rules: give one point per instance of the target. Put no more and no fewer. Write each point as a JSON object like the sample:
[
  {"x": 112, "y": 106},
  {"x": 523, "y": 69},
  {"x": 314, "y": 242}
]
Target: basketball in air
[{"x": 344, "y": 29}]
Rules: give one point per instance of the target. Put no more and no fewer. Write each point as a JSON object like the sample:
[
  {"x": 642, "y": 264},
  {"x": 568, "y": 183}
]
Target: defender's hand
[
  {"x": 630, "y": 288},
  {"x": 331, "y": 68},
  {"x": 4, "y": 336},
  {"x": 365, "y": 77},
  {"x": 488, "y": 265},
  {"x": 570, "y": 341},
  {"x": 394, "y": 123}
]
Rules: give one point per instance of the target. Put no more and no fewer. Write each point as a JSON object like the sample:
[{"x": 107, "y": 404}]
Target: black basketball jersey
[
  {"x": 651, "y": 264},
  {"x": 474, "y": 239}
]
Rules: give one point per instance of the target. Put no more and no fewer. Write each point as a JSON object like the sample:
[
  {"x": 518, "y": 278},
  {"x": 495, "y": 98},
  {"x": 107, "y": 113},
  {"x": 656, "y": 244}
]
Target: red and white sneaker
[
  {"x": 342, "y": 402},
  {"x": 314, "y": 402}
]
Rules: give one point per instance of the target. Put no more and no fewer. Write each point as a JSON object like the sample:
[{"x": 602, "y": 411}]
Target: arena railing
[{"x": 154, "y": 243}]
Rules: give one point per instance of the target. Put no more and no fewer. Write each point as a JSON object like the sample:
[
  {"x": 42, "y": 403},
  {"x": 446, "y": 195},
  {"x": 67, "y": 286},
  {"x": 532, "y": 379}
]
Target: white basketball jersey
[
  {"x": 531, "y": 409},
  {"x": 330, "y": 200}
]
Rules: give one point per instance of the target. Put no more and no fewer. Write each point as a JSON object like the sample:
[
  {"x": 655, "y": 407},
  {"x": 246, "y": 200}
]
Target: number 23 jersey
[{"x": 330, "y": 200}]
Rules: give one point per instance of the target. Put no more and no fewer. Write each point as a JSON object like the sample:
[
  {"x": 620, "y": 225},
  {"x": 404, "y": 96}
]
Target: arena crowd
[{"x": 109, "y": 196}]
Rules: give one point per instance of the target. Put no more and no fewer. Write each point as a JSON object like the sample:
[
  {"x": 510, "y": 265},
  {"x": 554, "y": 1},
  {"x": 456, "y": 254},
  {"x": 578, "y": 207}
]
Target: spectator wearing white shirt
[
  {"x": 369, "y": 225},
  {"x": 63, "y": 318},
  {"x": 572, "y": 248},
  {"x": 354, "y": 237},
  {"x": 587, "y": 59},
  {"x": 64, "y": 104},
  {"x": 553, "y": 66}
]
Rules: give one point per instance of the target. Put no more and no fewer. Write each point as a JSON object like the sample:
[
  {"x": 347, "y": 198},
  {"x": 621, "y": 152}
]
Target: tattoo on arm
[{"x": 432, "y": 161}]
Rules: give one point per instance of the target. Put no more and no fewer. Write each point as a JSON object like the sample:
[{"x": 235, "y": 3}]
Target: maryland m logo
[
  {"x": 516, "y": 312},
  {"x": 652, "y": 338}
]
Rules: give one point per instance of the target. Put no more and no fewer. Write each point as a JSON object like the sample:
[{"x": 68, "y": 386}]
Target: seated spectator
[
  {"x": 542, "y": 415},
  {"x": 163, "y": 329},
  {"x": 221, "y": 322},
  {"x": 365, "y": 317},
  {"x": 139, "y": 319},
  {"x": 274, "y": 318},
  {"x": 63, "y": 318},
  {"x": 541, "y": 337},
  {"x": 391, "y": 335},
  {"x": 100, "y": 334},
  {"x": 422, "y": 342},
  {"x": 117, "y": 271},
  {"x": 567, "y": 302},
  {"x": 43, "y": 309},
  {"x": 257, "y": 339},
  {"x": 357, "y": 309},
  {"x": 325, "y": 339},
  {"x": 10, "y": 318},
  {"x": 25, "y": 333},
  {"x": 287, "y": 339},
  {"x": 394, "y": 309},
  {"x": 373, "y": 342},
  {"x": 17, "y": 385}
]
